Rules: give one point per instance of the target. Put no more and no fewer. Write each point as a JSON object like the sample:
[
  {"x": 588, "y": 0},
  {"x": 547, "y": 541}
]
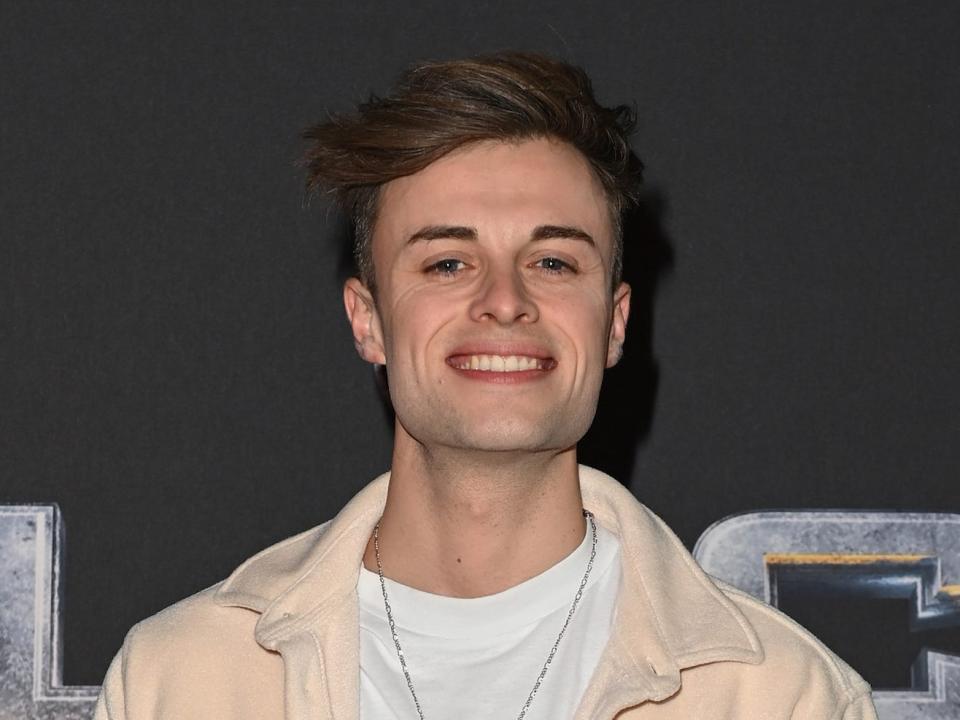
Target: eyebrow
[
  {"x": 443, "y": 232},
  {"x": 551, "y": 232},
  {"x": 461, "y": 232}
]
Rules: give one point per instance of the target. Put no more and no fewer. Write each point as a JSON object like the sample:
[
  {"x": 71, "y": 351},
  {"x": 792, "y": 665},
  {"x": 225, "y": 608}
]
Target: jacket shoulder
[
  {"x": 793, "y": 654},
  {"x": 196, "y": 632},
  {"x": 196, "y": 658},
  {"x": 220, "y": 621},
  {"x": 192, "y": 622}
]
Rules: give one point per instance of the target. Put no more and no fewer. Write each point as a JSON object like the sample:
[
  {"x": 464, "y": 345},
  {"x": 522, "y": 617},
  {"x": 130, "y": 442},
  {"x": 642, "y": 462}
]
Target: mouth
[{"x": 501, "y": 363}]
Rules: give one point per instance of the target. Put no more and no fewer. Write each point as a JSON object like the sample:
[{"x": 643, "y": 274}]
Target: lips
[{"x": 501, "y": 359}]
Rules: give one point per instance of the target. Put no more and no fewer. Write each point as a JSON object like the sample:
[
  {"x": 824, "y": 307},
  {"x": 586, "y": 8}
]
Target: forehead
[{"x": 498, "y": 185}]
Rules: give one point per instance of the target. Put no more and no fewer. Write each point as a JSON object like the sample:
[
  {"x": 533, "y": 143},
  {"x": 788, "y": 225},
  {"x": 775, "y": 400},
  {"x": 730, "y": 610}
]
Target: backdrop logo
[
  {"x": 31, "y": 541},
  {"x": 914, "y": 556}
]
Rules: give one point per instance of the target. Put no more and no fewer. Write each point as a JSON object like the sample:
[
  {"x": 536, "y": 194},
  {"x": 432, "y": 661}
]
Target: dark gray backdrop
[{"x": 174, "y": 366}]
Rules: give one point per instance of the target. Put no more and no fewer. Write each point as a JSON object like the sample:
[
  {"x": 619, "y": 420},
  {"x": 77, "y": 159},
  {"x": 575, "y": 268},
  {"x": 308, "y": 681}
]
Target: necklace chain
[{"x": 553, "y": 651}]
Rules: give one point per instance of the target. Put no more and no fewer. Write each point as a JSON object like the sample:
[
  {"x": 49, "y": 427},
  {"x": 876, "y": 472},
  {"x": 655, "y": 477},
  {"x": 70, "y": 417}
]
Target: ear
[
  {"x": 364, "y": 321},
  {"x": 618, "y": 326}
]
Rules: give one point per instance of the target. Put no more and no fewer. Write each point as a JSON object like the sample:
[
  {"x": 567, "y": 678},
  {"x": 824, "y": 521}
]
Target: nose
[{"x": 504, "y": 299}]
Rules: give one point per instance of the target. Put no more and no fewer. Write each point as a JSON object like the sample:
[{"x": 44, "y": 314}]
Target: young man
[{"x": 487, "y": 575}]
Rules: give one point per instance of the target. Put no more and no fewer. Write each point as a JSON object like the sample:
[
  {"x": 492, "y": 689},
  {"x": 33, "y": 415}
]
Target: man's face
[{"x": 493, "y": 314}]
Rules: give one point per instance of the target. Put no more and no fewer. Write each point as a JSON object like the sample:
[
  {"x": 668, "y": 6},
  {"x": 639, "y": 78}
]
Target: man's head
[
  {"x": 487, "y": 195},
  {"x": 438, "y": 107}
]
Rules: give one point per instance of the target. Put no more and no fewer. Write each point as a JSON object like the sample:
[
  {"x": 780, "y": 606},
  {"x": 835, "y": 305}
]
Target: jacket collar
[
  {"x": 670, "y": 615},
  {"x": 297, "y": 580}
]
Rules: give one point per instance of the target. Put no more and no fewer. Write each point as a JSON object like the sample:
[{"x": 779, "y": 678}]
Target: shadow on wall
[
  {"x": 625, "y": 410},
  {"x": 629, "y": 393}
]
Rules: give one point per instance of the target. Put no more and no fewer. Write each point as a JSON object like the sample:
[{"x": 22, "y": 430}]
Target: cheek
[
  {"x": 417, "y": 321},
  {"x": 585, "y": 324}
]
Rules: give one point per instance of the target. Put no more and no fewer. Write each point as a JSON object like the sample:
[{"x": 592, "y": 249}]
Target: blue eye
[
  {"x": 447, "y": 266},
  {"x": 554, "y": 265}
]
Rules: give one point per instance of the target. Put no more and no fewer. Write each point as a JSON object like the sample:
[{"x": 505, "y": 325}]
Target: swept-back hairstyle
[{"x": 436, "y": 107}]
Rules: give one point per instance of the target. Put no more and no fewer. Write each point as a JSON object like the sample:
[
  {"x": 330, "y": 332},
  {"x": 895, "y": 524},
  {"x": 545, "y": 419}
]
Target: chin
[
  {"x": 485, "y": 432},
  {"x": 507, "y": 437}
]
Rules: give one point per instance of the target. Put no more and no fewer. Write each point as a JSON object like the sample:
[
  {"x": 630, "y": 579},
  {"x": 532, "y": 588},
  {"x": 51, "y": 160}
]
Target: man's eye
[
  {"x": 554, "y": 265},
  {"x": 447, "y": 266}
]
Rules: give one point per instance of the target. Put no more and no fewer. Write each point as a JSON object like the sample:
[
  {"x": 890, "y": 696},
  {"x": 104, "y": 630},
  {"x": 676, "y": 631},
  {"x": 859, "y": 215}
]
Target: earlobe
[
  {"x": 618, "y": 325},
  {"x": 364, "y": 321}
]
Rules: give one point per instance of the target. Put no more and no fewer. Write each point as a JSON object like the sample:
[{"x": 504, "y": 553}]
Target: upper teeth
[{"x": 499, "y": 363}]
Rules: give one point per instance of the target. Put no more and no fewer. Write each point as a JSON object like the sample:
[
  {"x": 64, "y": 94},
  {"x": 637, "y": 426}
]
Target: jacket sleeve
[
  {"x": 110, "y": 704},
  {"x": 860, "y": 708}
]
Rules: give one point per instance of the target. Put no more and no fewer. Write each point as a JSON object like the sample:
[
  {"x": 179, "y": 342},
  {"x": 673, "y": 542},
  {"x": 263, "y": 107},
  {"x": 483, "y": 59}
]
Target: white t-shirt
[{"x": 478, "y": 658}]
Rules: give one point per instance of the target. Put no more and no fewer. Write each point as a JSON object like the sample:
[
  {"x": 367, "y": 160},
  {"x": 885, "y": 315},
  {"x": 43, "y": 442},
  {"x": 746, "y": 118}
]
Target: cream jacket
[{"x": 279, "y": 638}]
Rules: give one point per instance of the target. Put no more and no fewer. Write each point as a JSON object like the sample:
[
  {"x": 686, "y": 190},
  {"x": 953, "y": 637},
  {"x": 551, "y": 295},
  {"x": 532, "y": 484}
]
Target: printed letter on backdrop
[
  {"x": 31, "y": 543},
  {"x": 914, "y": 556}
]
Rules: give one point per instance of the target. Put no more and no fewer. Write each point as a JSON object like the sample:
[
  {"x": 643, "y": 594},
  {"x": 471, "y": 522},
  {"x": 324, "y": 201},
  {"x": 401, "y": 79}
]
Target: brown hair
[{"x": 437, "y": 107}]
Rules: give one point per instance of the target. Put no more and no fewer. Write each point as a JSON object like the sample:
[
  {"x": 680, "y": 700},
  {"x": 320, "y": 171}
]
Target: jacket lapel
[
  {"x": 670, "y": 616},
  {"x": 305, "y": 590}
]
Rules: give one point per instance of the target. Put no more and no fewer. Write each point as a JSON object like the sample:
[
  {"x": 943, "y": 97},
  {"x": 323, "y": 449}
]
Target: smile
[{"x": 501, "y": 363}]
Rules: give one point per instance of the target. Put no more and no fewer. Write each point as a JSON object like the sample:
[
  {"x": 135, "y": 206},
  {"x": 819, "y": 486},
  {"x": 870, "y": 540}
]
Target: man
[{"x": 487, "y": 575}]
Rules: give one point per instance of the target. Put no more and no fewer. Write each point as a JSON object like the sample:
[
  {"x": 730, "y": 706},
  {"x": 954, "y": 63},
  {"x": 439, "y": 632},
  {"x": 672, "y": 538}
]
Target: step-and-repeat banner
[{"x": 179, "y": 388}]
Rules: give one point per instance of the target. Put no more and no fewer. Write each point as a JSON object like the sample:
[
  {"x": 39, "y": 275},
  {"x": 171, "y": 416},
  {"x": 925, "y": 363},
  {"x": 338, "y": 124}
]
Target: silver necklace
[{"x": 553, "y": 651}]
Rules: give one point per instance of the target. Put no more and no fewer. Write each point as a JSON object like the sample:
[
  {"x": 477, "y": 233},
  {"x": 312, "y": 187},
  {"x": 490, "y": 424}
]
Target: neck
[{"x": 468, "y": 523}]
